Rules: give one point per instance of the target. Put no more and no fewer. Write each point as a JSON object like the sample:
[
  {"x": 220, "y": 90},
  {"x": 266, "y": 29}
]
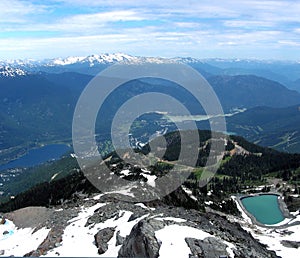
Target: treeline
[
  {"x": 253, "y": 167},
  {"x": 53, "y": 193},
  {"x": 251, "y": 147}
]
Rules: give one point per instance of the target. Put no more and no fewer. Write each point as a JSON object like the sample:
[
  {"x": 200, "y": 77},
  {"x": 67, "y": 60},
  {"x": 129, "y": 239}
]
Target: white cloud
[
  {"x": 289, "y": 43},
  {"x": 145, "y": 43},
  {"x": 15, "y": 11},
  {"x": 93, "y": 23},
  {"x": 149, "y": 26},
  {"x": 249, "y": 23},
  {"x": 104, "y": 17},
  {"x": 83, "y": 24},
  {"x": 227, "y": 43}
]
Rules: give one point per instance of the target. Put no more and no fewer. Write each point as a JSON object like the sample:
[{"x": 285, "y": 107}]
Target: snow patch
[
  {"x": 230, "y": 248},
  {"x": 78, "y": 240},
  {"x": 125, "y": 191},
  {"x": 150, "y": 178},
  {"x": 20, "y": 241},
  {"x": 172, "y": 240},
  {"x": 144, "y": 206},
  {"x": 189, "y": 193},
  {"x": 97, "y": 197},
  {"x": 244, "y": 215},
  {"x": 125, "y": 172}
]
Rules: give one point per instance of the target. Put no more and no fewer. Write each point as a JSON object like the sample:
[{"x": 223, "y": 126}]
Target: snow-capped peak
[
  {"x": 8, "y": 71},
  {"x": 108, "y": 59},
  {"x": 67, "y": 61},
  {"x": 186, "y": 60},
  {"x": 93, "y": 59},
  {"x": 89, "y": 61}
]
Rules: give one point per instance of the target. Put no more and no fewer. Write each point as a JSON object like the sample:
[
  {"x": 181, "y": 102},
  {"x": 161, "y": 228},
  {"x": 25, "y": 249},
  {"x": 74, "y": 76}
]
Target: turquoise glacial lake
[
  {"x": 38, "y": 156},
  {"x": 264, "y": 208}
]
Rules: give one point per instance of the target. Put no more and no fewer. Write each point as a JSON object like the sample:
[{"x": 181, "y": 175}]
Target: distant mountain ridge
[
  {"x": 90, "y": 60},
  {"x": 278, "y": 128},
  {"x": 248, "y": 91},
  {"x": 285, "y": 72}
]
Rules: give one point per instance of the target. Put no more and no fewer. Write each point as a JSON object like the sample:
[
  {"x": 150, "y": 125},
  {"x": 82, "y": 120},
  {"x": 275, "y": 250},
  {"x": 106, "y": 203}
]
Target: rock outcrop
[
  {"x": 142, "y": 241},
  {"x": 209, "y": 247},
  {"x": 3, "y": 220},
  {"x": 291, "y": 244},
  {"x": 102, "y": 238}
]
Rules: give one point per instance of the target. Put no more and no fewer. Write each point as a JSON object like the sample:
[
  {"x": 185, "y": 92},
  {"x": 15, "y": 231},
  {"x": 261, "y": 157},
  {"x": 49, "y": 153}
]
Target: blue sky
[{"x": 198, "y": 28}]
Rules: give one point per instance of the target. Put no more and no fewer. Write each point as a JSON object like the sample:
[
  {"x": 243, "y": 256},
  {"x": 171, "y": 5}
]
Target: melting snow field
[
  {"x": 78, "y": 240},
  {"x": 272, "y": 237},
  {"x": 20, "y": 241},
  {"x": 173, "y": 242}
]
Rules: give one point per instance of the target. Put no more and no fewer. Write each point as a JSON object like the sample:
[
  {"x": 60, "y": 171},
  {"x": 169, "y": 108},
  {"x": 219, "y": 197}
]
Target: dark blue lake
[{"x": 38, "y": 156}]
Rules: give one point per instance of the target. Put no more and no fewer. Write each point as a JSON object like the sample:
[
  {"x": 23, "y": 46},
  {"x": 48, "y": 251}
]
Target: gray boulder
[
  {"x": 209, "y": 247},
  {"x": 141, "y": 242},
  {"x": 290, "y": 244},
  {"x": 119, "y": 238},
  {"x": 102, "y": 238}
]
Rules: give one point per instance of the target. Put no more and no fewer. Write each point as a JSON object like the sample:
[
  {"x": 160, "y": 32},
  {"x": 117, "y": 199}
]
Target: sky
[{"x": 257, "y": 29}]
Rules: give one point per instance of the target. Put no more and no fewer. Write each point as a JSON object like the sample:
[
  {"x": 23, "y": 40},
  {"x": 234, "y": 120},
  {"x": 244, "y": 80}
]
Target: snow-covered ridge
[
  {"x": 82, "y": 64},
  {"x": 92, "y": 60},
  {"x": 8, "y": 71},
  {"x": 12, "y": 68},
  {"x": 68, "y": 60},
  {"x": 107, "y": 59}
]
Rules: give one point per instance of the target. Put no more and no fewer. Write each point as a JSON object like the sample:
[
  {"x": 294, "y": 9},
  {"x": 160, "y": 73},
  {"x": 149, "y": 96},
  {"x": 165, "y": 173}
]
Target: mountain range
[
  {"x": 285, "y": 72},
  {"x": 45, "y": 93}
]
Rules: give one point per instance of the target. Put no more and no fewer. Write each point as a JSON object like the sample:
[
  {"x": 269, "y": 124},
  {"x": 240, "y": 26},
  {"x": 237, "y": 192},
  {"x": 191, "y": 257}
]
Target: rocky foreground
[{"x": 103, "y": 226}]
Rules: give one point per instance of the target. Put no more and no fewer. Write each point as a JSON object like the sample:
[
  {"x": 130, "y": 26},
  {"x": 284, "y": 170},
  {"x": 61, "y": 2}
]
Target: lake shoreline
[
  {"x": 51, "y": 152},
  {"x": 281, "y": 204}
]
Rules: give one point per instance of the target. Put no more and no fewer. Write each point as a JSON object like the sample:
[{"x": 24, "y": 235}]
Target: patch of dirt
[{"x": 30, "y": 217}]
